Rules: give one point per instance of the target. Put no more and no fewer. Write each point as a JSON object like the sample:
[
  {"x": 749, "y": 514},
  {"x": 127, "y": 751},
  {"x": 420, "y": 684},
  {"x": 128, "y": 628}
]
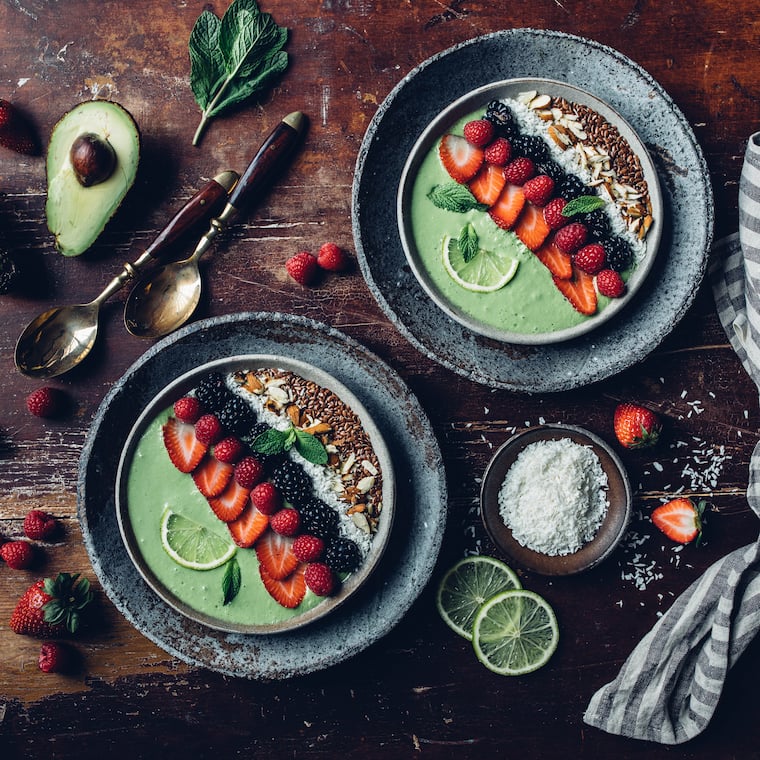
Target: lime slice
[
  {"x": 193, "y": 545},
  {"x": 466, "y": 586},
  {"x": 485, "y": 272},
  {"x": 515, "y": 632}
]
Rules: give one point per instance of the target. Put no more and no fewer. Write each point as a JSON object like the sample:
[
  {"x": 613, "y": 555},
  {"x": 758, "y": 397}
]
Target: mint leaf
[
  {"x": 454, "y": 197},
  {"x": 272, "y": 442},
  {"x": 310, "y": 447},
  {"x": 583, "y": 204},
  {"x": 468, "y": 242},
  {"x": 232, "y": 581},
  {"x": 233, "y": 59}
]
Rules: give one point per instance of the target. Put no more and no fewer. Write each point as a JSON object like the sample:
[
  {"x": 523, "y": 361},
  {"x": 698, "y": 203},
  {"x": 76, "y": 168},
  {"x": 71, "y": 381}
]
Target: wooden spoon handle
[{"x": 199, "y": 209}]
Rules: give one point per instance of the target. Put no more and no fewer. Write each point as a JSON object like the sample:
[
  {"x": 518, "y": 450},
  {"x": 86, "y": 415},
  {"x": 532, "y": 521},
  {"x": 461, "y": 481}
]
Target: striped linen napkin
[{"x": 669, "y": 687}]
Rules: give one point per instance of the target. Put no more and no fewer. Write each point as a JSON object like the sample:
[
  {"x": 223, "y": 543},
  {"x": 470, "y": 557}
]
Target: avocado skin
[{"x": 77, "y": 215}]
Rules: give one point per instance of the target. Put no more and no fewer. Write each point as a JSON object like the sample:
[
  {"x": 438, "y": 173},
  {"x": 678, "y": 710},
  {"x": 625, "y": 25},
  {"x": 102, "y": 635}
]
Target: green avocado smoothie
[
  {"x": 529, "y": 304},
  {"x": 153, "y": 484}
]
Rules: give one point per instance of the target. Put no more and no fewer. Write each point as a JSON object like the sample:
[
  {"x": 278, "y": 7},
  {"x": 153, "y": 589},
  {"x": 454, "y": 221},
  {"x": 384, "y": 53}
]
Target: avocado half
[{"x": 76, "y": 214}]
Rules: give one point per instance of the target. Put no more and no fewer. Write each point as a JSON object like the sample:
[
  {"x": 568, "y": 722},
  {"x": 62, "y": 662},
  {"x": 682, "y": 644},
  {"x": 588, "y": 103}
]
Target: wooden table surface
[{"x": 419, "y": 690}]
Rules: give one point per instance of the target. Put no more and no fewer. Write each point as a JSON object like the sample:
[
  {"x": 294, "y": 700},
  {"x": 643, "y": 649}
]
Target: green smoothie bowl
[
  {"x": 530, "y": 211},
  {"x": 255, "y": 494}
]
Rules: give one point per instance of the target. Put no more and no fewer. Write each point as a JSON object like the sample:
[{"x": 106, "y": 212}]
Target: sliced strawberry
[
  {"x": 580, "y": 291},
  {"x": 275, "y": 553},
  {"x": 558, "y": 263},
  {"x": 508, "y": 207},
  {"x": 531, "y": 227},
  {"x": 212, "y": 476},
  {"x": 487, "y": 184},
  {"x": 231, "y": 502},
  {"x": 288, "y": 592},
  {"x": 460, "y": 159},
  {"x": 249, "y": 526},
  {"x": 184, "y": 449},
  {"x": 680, "y": 519}
]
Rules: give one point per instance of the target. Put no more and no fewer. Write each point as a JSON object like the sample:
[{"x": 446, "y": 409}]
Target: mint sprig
[
  {"x": 232, "y": 581},
  {"x": 468, "y": 242},
  {"x": 583, "y": 204},
  {"x": 278, "y": 441},
  {"x": 452, "y": 196}
]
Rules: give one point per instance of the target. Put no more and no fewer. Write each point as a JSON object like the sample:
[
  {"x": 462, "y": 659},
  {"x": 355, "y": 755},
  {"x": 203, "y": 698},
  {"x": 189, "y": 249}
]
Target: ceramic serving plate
[
  {"x": 475, "y": 101},
  {"x": 613, "y": 526},
  {"x": 419, "y": 515},
  {"x": 684, "y": 181},
  {"x": 194, "y": 581}
]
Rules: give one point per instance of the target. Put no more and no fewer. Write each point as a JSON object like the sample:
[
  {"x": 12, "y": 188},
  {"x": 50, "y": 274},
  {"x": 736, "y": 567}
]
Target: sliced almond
[
  {"x": 369, "y": 467},
  {"x": 540, "y": 102},
  {"x": 365, "y": 484}
]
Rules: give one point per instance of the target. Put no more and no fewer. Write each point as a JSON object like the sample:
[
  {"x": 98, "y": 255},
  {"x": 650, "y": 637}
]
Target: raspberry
[
  {"x": 538, "y": 190},
  {"x": 591, "y": 258},
  {"x": 39, "y": 525},
  {"x": 248, "y": 472},
  {"x": 266, "y": 498},
  {"x": 498, "y": 152},
  {"x": 319, "y": 578},
  {"x": 609, "y": 283},
  {"x": 286, "y": 522},
  {"x": 302, "y": 267},
  {"x": 228, "y": 450},
  {"x": 18, "y": 555},
  {"x": 308, "y": 548},
  {"x": 188, "y": 409},
  {"x": 332, "y": 258},
  {"x": 45, "y": 402},
  {"x": 479, "y": 132},
  {"x": 55, "y": 657},
  {"x": 208, "y": 429},
  {"x": 519, "y": 171},
  {"x": 553, "y": 213},
  {"x": 570, "y": 238}
]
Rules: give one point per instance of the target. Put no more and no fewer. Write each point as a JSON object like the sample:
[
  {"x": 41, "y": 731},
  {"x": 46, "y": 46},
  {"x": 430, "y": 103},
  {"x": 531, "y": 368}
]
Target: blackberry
[
  {"x": 531, "y": 146},
  {"x": 318, "y": 519},
  {"x": 598, "y": 224},
  {"x": 269, "y": 461},
  {"x": 213, "y": 392},
  {"x": 571, "y": 187},
  {"x": 8, "y": 272},
  {"x": 237, "y": 417},
  {"x": 551, "y": 169},
  {"x": 342, "y": 555},
  {"x": 619, "y": 253},
  {"x": 293, "y": 482},
  {"x": 500, "y": 116}
]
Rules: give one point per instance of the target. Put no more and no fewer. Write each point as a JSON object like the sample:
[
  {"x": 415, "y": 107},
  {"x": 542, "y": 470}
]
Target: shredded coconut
[{"x": 554, "y": 496}]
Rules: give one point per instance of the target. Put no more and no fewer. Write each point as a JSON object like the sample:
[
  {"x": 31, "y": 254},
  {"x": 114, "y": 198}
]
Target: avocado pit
[{"x": 92, "y": 158}]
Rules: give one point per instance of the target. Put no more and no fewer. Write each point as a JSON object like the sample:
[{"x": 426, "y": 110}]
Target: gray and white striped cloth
[{"x": 669, "y": 687}]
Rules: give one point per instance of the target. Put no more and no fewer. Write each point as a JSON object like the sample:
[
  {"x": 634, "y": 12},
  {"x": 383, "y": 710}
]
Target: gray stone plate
[
  {"x": 420, "y": 509},
  {"x": 688, "y": 216}
]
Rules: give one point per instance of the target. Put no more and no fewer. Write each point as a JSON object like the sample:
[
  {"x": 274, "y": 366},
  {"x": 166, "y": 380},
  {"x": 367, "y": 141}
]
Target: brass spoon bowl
[
  {"x": 60, "y": 338},
  {"x": 166, "y": 298}
]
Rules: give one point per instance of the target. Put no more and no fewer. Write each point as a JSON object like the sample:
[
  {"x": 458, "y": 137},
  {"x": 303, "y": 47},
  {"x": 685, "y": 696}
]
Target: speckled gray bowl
[
  {"x": 421, "y": 498},
  {"x": 478, "y": 99},
  {"x": 183, "y": 384},
  {"x": 684, "y": 181}
]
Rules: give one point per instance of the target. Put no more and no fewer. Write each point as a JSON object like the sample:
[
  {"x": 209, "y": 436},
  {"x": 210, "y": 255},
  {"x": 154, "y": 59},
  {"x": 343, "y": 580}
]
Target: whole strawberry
[
  {"x": 15, "y": 131},
  {"x": 46, "y": 402},
  {"x": 636, "y": 427},
  {"x": 302, "y": 267},
  {"x": 18, "y": 555},
  {"x": 332, "y": 258},
  {"x": 55, "y": 657},
  {"x": 39, "y": 525},
  {"x": 51, "y": 608}
]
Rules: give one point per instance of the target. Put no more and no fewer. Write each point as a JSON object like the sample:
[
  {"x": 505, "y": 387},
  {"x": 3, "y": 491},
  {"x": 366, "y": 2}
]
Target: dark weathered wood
[{"x": 418, "y": 691}]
